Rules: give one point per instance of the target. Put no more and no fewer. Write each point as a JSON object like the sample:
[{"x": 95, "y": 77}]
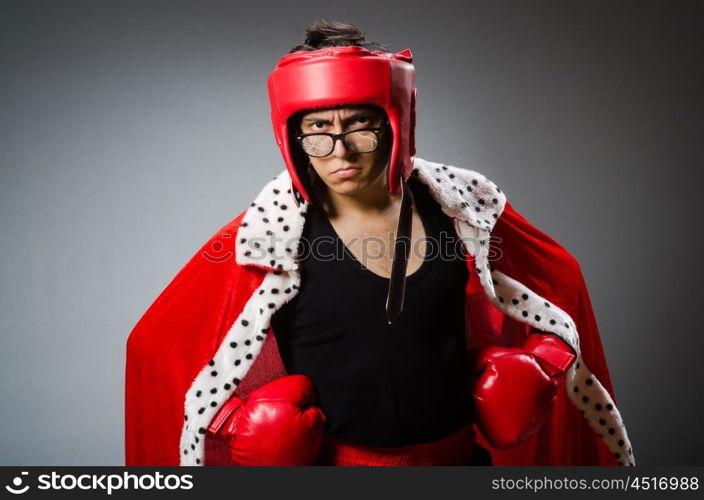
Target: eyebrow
[{"x": 312, "y": 119}]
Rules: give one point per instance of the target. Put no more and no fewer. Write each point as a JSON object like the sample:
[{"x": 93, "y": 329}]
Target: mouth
[{"x": 346, "y": 171}]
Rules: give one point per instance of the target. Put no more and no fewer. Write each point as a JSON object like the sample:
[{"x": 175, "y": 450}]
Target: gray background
[{"x": 131, "y": 131}]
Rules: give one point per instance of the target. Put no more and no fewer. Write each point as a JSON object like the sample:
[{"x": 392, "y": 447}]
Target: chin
[{"x": 349, "y": 187}]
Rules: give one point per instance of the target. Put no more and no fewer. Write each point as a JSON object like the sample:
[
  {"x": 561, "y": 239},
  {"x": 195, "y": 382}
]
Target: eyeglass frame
[{"x": 377, "y": 132}]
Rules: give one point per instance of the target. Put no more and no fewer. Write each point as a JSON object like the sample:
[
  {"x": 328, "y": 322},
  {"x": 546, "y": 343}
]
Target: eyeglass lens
[{"x": 357, "y": 142}]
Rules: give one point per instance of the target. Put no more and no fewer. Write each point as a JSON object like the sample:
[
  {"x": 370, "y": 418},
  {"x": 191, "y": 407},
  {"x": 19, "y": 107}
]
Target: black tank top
[{"x": 381, "y": 384}]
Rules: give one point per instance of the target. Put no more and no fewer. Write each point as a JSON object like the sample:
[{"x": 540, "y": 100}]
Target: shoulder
[
  {"x": 462, "y": 193},
  {"x": 271, "y": 227},
  {"x": 456, "y": 188},
  {"x": 517, "y": 246}
]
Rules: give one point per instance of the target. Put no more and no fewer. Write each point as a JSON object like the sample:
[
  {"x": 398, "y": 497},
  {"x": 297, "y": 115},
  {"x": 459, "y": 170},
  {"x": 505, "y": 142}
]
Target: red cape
[
  {"x": 539, "y": 262},
  {"x": 180, "y": 332}
]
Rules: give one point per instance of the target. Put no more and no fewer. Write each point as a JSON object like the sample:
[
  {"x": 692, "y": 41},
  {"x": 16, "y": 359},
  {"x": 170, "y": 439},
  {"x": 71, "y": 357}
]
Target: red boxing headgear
[{"x": 338, "y": 76}]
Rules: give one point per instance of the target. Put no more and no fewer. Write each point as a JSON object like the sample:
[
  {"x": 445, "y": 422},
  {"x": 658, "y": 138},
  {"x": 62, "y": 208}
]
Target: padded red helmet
[{"x": 339, "y": 76}]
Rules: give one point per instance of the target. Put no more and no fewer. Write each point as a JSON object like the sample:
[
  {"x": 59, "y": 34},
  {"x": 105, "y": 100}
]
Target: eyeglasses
[{"x": 361, "y": 140}]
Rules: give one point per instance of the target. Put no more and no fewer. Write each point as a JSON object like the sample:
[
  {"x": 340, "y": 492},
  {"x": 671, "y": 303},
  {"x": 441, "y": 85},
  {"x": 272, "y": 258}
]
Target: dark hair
[{"x": 321, "y": 34}]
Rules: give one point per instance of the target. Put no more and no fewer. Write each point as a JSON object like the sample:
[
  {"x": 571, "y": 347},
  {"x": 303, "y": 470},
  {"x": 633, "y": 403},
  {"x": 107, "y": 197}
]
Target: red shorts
[{"x": 459, "y": 448}]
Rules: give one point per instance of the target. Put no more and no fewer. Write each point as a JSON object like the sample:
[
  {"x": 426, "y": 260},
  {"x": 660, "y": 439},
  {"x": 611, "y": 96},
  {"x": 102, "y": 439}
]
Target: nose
[{"x": 339, "y": 150}]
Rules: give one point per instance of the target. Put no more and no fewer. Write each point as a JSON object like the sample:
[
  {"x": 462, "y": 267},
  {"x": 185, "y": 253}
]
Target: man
[{"x": 263, "y": 351}]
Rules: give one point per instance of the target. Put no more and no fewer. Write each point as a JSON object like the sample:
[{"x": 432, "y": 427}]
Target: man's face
[{"x": 344, "y": 171}]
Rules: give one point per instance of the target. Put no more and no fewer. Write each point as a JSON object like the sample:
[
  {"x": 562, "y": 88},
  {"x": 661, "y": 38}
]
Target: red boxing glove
[
  {"x": 516, "y": 387},
  {"x": 277, "y": 424}
]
